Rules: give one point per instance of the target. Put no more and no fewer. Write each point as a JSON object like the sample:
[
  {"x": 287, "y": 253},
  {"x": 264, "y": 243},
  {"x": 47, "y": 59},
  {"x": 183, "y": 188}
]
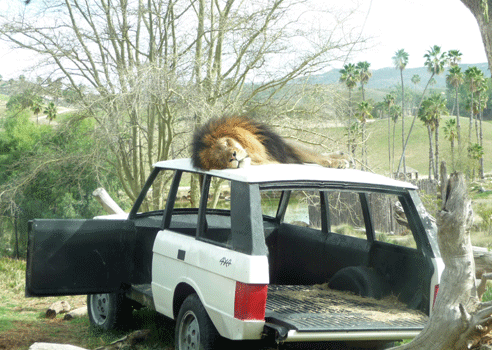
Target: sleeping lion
[{"x": 236, "y": 142}]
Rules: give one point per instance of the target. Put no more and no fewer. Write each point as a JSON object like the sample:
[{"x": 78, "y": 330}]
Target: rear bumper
[{"x": 296, "y": 336}]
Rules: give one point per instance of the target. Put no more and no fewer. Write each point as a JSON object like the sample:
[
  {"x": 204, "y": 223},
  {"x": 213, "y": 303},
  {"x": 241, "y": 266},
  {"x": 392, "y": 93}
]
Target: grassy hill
[
  {"x": 385, "y": 78},
  {"x": 417, "y": 154}
]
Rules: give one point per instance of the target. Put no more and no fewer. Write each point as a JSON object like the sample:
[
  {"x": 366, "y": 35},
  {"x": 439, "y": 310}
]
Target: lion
[{"x": 237, "y": 142}]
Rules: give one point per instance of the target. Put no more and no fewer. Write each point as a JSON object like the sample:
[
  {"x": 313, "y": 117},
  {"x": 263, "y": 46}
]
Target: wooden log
[
  {"x": 107, "y": 202},
  {"x": 52, "y": 346},
  {"x": 58, "y": 308},
  {"x": 459, "y": 320},
  {"x": 77, "y": 313}
]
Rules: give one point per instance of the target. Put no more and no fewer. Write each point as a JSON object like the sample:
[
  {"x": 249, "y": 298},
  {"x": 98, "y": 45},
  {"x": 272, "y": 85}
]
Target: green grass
[
  {"x": 417, "y": 153},
  {"x": 23, "y": 322}
]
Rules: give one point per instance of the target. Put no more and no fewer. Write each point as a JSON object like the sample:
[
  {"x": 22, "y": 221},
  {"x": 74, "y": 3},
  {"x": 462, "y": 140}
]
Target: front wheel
[
  {"x": 194, "y": 328},
  {"x": 108, "y": 311}
]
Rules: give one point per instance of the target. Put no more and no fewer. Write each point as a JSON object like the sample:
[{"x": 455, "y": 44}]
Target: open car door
[{"x": 67, "y": 257}]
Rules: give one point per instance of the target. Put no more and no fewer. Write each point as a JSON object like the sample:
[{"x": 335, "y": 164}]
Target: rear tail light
[
  {"x": 436, "y": 290},
  {"x": 250, "y": 301}
]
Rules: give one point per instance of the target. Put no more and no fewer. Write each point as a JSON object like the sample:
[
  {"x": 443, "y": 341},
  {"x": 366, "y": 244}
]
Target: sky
[
  {"x": 412, "y": 25},
  {"x": 415, "y": 26}
]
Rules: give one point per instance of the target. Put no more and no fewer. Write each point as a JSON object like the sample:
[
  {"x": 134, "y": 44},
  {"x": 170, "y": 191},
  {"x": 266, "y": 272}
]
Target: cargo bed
[{"x": 318, "y": 313}]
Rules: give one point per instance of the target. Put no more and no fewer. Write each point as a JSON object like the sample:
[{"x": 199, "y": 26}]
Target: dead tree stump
[{"x": 459, "y": 320}]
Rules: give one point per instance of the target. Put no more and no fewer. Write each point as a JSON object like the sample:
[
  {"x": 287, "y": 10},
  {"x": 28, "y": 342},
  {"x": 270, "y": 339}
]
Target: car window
[
  {"x": 388, "y": 217},
  {"x": 390, "y": 220},
  {"x": 346, "y": 214},
  {"x": 303, "y": 206},
  {"x": 156, "y": 196},
  {"x": 269, "y": 202},
  {"x": 217, "y": 228},
  {"x": 184, "y": 198}
]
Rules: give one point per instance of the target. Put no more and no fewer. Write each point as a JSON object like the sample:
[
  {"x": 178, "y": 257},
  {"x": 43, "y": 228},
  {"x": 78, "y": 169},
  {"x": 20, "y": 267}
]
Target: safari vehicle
[{"x": 288, "y": 253}]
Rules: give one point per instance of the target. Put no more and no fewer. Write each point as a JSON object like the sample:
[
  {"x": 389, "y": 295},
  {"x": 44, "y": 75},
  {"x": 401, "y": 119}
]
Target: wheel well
[{"x": 180, "y": 293}]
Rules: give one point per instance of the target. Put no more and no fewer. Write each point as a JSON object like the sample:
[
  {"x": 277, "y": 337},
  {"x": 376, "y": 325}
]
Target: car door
[{"x": 68, "y": 257}]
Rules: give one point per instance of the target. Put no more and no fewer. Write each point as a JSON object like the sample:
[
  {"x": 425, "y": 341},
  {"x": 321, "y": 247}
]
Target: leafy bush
[{"x": 485, "y": 213}]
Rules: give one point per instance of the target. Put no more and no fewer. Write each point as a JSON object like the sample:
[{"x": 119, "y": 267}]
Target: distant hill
[{"x": 386, "y": 78}]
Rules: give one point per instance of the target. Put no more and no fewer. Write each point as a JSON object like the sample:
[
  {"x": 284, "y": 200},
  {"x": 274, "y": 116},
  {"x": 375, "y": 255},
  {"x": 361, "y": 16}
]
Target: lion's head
[{"x": 225, "y": 153}]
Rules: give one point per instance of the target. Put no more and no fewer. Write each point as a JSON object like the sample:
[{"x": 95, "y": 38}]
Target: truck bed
[{"x": 318, "y": 309}]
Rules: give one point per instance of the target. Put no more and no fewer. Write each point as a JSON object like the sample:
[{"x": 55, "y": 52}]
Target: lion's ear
[{"x": 229, "y": 142}]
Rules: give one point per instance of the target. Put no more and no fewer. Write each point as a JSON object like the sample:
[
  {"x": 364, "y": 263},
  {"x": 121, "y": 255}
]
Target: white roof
[{"x": 289, "y": 173}]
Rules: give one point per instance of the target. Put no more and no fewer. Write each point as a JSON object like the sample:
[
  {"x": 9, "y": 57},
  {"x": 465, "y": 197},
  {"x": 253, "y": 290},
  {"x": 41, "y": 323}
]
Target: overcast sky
[
  {"x": 415, "y": 26},
  {"x": 412, "y": 25}
]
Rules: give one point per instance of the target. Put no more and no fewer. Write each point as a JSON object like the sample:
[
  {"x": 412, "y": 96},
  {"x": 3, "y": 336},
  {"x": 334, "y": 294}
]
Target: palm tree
[
  {"x": 426, "y": 117},
  {"x": 456, "y": 78},
  {"x": 416, "y": 81},
  {"x": 50, "y": 111},
  {"x": 475, "y": 152},
  {"x": 400, "y": 60},
  {"x": 430, "y": 113},
  {"x": 451, "y": 134},
  {"x": 482, "y": 104},
  {"x": 473, "y": 77},
  {"x": 389, "y": 101},
  {"x": 350, "y": 76},
  {"x": 435, "y": 61},
  {"x": 36, "y": 107},
  {"x": 454, "y": 57},
  {"x": 364, "y": 112},
  {"x": 438, "y": 106},
  {"x": 364, "y": 75}
]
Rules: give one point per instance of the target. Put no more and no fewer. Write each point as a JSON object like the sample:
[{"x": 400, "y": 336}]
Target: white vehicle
[{"x": 286, "y": 253}]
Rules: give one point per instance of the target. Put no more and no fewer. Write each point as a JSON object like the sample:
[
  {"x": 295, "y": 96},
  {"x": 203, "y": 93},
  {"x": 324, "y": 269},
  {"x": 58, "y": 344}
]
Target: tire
[
  {"x": 108, "y": 311},
  {"x": 360, "y": 280},
  {"x": 194, "y": 328}
]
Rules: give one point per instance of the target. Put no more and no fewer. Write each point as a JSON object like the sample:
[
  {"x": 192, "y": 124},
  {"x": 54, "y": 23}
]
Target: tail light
[
  {"x": 436, "y": 290},
  {"x": 250, "y": 301}
]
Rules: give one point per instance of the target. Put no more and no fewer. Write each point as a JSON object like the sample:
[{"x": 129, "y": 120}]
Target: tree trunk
[
  {"x": 389, "y": 147},
  {"x": 431, "y": 153},
  {"x": 436, "y": 146},
  {"x": 403, "y": 124},
  {"x": 471, "y": 122},
  {"x": 459, "y": 320},
  {"x": 458, "y": 126},
  {"x": 107, "y": 202},
  {"x": 481, "y": 145},
  {"x": 484, "y": 23}
]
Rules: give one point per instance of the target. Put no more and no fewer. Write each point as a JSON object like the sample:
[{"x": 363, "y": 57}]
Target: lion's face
[{"x": 229, "y": 153}]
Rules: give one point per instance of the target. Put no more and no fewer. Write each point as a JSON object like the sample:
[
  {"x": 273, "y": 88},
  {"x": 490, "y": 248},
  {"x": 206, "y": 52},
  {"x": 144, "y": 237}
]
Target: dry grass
[{"x": 331, "y": 301}]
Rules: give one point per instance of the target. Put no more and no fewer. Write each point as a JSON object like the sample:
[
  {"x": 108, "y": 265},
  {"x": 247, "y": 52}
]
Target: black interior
[{"x": 306, "y": 256}]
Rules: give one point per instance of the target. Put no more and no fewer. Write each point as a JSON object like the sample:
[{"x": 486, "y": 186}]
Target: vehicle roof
[{"x": 271, "y": 173}]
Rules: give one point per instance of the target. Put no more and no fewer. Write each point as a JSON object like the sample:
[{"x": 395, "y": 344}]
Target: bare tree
[
  {"x": 156, "y": 67},
  {"x": 459, "y": 319}
]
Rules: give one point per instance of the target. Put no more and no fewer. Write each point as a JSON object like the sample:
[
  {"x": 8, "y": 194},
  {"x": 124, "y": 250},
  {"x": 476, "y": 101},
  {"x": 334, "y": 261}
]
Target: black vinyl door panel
[{"x": 68, "y": 257}]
